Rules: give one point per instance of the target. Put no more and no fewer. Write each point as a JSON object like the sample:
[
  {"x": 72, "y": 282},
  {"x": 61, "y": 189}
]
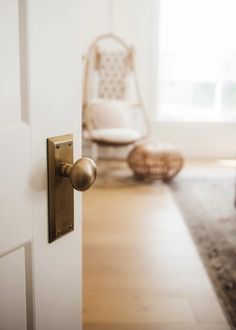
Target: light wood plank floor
[{"x": 141, "y": 269}]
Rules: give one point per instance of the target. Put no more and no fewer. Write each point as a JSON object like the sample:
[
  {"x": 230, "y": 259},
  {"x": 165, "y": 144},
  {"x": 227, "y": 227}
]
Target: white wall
[
  {"x": 136, "y": 21},
  {"x": 198, "y": 140}
]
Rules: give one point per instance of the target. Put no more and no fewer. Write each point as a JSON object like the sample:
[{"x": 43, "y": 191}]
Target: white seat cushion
[
  {"x": 110, "y": 113},
  {"x": 115, "y": 135}
]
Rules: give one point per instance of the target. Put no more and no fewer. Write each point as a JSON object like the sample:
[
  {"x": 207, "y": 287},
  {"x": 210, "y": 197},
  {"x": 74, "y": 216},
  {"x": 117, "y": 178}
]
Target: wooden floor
[{"x": 141, "y": 269}]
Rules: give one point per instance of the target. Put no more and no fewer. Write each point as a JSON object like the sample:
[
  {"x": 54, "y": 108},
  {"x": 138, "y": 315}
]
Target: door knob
[
  {"x": 63, "y": 176},
  {"x": 82, "y": 174}
]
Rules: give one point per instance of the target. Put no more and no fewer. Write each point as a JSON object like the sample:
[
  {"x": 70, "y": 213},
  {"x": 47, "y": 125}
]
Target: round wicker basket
[{"x": 149, "y": 162}]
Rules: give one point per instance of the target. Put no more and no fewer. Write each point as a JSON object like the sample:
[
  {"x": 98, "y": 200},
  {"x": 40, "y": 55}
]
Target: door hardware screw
[
  {"x": 59, "y": 233},
  {"x": 70, "y": 144},
  {"x": 58, "y": 146},
  {"x": 70, "y": 227}
]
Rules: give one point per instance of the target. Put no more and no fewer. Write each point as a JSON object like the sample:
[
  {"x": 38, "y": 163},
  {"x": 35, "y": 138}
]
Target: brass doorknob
[{"x": 82, "y": 174}]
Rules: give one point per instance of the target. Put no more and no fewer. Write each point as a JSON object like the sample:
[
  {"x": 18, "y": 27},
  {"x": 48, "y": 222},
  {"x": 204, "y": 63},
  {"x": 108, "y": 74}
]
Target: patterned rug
[{"x": 208, "y": 208}]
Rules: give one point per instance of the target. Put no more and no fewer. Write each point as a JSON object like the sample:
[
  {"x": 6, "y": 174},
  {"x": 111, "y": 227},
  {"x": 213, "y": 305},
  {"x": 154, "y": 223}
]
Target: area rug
[{"x": 207, "y": 205}]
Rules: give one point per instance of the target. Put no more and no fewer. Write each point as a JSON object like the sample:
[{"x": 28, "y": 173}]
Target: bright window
[{"x": 197, "y": 60}]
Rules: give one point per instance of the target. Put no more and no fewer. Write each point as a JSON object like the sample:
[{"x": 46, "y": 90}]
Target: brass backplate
[{"x": 60, "y": 190}]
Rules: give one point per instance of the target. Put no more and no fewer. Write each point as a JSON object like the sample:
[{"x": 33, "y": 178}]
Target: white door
[{"x": 40, "y": 283}]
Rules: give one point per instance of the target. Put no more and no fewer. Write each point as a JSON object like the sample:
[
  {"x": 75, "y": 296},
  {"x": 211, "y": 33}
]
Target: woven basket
[{"x": 149, "y": 162}]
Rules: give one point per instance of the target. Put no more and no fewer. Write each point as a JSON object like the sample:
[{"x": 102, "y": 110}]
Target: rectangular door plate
[{"x": 60, "y": 190}]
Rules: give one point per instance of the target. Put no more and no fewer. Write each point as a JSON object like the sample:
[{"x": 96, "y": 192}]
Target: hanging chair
[{"x": 113, "y": 111}]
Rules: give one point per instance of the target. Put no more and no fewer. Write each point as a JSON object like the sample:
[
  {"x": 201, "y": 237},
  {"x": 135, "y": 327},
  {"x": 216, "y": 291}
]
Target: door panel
[
  {"x": 12, "y": 288},
  {"x": 9, "y": 64},
  {"x": 15, "y": 191},
  {"x": 39, "y": 98}
]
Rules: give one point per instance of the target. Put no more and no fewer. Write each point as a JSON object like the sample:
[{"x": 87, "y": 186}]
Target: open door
[{"x": 40, "y": 286}]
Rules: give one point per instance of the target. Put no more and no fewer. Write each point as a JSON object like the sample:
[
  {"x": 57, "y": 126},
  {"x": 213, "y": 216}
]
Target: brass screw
[{"x": 58, "y": 146}]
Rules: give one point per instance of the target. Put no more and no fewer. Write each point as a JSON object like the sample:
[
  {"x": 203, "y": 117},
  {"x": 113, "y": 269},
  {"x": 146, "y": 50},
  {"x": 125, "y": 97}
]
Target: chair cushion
[
  {"x": 115, "y": 135},
  {"x": 110, "y": 113}
]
